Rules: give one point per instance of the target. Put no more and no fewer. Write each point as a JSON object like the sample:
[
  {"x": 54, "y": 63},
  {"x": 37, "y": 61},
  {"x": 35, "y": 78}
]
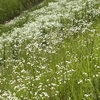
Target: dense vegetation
[
  {"x": 11, "y": 8},
  {"x": 52, "y": 53}
]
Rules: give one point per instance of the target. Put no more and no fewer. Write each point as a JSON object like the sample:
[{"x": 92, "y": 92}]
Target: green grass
[
  {"x": 12, "y": 8},
  {"x": 69, "y": 72},
  {"x": 9, "y": 9},
  {"x": 79, "y": 77},
  {"x": 19, "y": 23}
]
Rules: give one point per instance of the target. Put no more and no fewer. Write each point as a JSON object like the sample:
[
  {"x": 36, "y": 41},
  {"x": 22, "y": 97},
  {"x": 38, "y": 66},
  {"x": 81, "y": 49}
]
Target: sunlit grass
[{"x": 52, "y": 57}]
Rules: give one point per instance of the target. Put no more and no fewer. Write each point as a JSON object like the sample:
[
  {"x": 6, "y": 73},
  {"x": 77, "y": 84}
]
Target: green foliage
[
  {"x": 29, "y": 3},
  {"x": 52, "y": 61},
  {"x": 11, "y": 8}
]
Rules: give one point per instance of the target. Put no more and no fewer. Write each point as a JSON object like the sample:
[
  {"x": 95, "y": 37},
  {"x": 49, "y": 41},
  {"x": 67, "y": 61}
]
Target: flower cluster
[{"x": 36, "y": 61}]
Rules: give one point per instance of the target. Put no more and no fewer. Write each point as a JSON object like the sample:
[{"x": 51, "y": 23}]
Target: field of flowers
[{"x": 55, "y": 55}]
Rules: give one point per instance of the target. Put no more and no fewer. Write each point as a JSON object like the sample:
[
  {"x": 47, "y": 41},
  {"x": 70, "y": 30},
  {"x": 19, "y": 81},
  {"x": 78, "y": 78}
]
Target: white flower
[
  {"x": 45, "y": 94},
  {"x": 80, "y": 81}
]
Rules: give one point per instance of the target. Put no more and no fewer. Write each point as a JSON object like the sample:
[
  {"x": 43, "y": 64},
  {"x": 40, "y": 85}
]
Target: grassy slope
[
  {"x": 24, "y": 19},
  {"x": 12, "y": 8},
  {"x": 72, "y": 73}
]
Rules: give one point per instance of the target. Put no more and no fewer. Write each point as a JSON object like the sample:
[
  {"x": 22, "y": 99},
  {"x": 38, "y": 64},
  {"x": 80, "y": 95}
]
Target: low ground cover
[
  {"x": 54, "y": 55},
  {"x": 12, "y": 8}
]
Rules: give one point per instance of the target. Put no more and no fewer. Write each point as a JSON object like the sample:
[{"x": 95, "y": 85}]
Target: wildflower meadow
[{"x": 52, "y": 53}]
